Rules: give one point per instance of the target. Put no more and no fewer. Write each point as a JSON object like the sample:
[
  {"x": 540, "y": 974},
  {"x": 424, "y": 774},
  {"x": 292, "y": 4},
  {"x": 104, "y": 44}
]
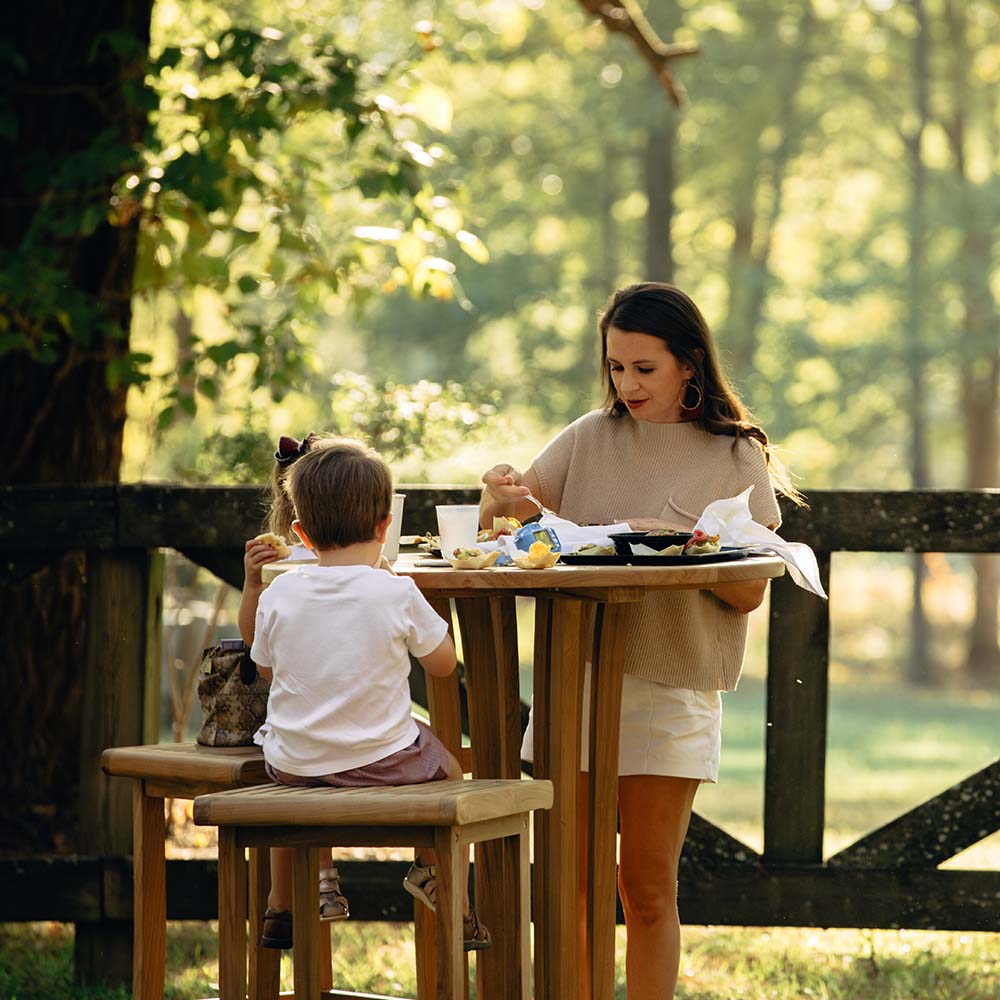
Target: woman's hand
[
  {"x": 503, "y": 484},
  {"x": 653, "y": 524},
  {"x": 504, "y": 493},
  {"x": 256, "y": 555}
]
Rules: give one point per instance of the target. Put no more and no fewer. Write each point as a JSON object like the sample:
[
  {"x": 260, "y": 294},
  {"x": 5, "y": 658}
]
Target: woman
[{"x": 672, "y": 437}]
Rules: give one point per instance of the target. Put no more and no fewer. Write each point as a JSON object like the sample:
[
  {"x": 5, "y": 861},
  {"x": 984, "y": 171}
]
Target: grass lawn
[{"x": 718, "y": 964}]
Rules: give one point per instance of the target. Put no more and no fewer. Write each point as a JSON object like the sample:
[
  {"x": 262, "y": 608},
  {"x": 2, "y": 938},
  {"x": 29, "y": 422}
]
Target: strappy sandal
[
  {"x": 476, "y": 936},
  {"x": 421, "y": 883},
  {"x": 277, "y": 931},
  {"x": 333, "y": 904}
]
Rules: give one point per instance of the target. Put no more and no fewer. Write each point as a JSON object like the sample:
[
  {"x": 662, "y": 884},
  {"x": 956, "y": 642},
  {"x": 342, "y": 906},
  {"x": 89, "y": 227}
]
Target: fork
[{"x": 541, "y": 507}]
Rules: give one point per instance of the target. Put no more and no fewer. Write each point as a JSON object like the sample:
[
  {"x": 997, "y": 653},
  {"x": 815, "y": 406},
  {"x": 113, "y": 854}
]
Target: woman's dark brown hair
[{"x": 663, "y": 311}]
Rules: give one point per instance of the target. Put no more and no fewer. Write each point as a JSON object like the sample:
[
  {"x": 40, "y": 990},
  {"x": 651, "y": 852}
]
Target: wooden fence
[{"x": 889, "y": 878}]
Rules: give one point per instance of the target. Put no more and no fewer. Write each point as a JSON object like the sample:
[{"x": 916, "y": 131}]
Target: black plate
[
  {"x": 725, "y": 555},
  {"x": 623, "y": 539}
]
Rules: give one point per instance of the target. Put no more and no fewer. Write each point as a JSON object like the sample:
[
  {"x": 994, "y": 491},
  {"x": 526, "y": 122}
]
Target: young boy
[{"x": 334, "y": 638}]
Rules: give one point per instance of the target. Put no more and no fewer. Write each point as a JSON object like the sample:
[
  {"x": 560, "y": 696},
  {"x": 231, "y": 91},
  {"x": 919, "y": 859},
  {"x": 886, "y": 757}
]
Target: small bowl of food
[{"x": 660, "y": 540}]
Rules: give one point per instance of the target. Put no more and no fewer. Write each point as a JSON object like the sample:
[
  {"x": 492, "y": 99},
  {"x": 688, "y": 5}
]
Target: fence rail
[{"x": 889, "y": 878}]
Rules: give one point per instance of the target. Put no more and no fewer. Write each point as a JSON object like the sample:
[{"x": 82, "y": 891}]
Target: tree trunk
[
  {"x": 919, "y": 665},
  {"x": 980, "y": 365},
  {"x": 63, "y": 422},
  {"x": 753, "y": 235},
  {"x": 660, "y": 171}
]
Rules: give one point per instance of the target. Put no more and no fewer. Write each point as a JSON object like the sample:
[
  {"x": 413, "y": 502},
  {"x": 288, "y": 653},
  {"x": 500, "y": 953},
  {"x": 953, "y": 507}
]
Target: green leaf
[{"x": 166, "y": 417}]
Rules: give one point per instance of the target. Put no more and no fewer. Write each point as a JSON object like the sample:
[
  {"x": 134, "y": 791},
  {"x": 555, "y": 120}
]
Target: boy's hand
[{"x": 255, "y": 556}]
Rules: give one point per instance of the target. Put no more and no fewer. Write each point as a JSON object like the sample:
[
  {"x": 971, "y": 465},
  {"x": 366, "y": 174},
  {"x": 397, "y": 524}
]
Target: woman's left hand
[{"x": 652, "y": 524}]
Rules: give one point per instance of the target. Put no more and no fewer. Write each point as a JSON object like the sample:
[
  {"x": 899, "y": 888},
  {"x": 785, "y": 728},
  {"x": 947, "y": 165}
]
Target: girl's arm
[
  {"x": 503, "y": 489},
  {"x": 441, "y": 661},
  {"x": 255, "y": 556}
]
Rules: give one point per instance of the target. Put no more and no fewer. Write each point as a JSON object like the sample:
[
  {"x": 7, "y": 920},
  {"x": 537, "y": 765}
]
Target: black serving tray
[{"x": 724, "y": 555}]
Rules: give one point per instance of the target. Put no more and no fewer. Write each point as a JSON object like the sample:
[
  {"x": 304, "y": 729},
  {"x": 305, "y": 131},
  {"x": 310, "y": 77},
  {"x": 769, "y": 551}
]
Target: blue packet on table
[{"x": 528, "y": 534}]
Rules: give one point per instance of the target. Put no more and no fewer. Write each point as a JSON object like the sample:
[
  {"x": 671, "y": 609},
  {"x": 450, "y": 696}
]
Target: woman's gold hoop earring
[{"x": 691, "y": 384}]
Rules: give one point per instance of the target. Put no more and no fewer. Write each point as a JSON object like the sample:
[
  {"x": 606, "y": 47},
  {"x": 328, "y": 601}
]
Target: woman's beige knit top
[{"x": 602, "y": 469}]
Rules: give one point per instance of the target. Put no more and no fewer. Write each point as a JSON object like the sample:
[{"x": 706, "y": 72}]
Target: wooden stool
[
  {"x": 180, "y": 771},
  {"x": 444, "y": 815}
]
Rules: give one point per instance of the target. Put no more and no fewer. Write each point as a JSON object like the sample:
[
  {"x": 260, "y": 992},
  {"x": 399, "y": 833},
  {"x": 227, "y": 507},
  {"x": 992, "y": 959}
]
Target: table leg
[
  {"x": 489, "y": 648},
  {"x": 149, "y": 895},
  {"x": 232, "y": 917},
  {"x": 560, "y": 625},
  {"x": 607, "y": 671}
]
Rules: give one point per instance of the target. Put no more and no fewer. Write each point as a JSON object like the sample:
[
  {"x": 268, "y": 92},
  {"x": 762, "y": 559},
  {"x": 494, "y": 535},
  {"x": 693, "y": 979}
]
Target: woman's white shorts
[{"x": 664, "y": 730}]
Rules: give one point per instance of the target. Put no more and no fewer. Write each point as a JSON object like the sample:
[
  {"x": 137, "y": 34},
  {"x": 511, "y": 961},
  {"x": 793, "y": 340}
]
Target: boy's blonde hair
[{"x": 341, "y": 490}]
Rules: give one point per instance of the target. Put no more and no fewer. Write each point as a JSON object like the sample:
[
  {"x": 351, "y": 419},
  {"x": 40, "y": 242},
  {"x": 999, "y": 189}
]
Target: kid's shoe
[
  {"x": 277, "y": 929},
  {"x": 333, "y": 904},
  {"x": 476, "y": 936},
  {"x": 421, "y": 883}
]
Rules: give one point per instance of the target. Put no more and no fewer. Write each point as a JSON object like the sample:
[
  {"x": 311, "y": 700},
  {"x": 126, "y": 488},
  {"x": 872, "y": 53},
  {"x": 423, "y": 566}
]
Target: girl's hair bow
[{"x": 289, "y": 449}]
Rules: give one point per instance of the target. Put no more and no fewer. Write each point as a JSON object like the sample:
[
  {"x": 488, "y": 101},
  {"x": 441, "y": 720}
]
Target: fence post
[
  {"x": 798, "y": 659},
  {"x": 117, "y": 665}
]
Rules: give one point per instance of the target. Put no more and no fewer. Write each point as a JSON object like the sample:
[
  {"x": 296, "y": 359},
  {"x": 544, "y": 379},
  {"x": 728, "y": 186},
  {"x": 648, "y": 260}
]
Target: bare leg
[
  {"x": 280, "y": 896},
  {"x": 655, "y": 812}
]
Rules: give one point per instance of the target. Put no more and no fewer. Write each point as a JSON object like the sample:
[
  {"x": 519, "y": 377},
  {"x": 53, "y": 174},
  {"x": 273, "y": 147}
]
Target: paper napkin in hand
[{"x": 730, "y": 519}]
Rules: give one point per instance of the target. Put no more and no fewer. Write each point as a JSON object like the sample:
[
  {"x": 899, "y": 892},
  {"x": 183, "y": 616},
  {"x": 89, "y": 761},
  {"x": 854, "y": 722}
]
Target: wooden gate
[{"x": 888, "y": 878}]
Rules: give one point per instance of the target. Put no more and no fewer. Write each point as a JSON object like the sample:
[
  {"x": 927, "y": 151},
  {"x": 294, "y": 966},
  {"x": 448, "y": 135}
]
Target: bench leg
[
  {"x": 450, "y": 893},
  {"x": 232, "y": 917},
  {"x": 265, "y": 963},
  {"x": 149, "y": 895},
  {"x": 305, "y": 922},
  {"x": 522, "y": 986}
]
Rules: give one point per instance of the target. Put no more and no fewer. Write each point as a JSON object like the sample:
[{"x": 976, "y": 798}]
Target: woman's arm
[
  {"x": 504, "y": 488},
  {"x": 744, "y": 597}
]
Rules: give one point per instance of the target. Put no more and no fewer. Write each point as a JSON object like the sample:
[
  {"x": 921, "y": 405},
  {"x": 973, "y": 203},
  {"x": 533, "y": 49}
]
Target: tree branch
[{"x": 626, "y": 17}]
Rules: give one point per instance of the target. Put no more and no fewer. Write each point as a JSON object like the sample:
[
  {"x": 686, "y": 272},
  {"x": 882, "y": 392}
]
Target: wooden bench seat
[
  {"x": 158, "y": 772},
  {"x": 444, "y": 815}
]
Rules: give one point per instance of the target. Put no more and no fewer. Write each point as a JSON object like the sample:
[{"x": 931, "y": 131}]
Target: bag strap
[{"x": 248, "y": 669}]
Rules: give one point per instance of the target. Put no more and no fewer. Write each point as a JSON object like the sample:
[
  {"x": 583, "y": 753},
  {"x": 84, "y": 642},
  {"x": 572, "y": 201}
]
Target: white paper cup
[
  {"x": 390, "y": 547},
  {"x": 458, "y": 526}
]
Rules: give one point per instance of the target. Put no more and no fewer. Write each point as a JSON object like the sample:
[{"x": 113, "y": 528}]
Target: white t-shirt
[{"x": 337, "y": 639}]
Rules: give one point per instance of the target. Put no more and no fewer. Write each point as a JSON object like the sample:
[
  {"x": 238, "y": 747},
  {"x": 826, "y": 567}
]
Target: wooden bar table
[{"x": 581, "y": 615}]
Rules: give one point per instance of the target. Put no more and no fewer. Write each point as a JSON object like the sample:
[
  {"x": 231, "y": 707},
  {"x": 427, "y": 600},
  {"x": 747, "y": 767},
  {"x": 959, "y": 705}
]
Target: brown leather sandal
[
  {"x": 476, "y": 935},
  {"x": 333, "y": 904},
  {"x": 277, "y": 929}
]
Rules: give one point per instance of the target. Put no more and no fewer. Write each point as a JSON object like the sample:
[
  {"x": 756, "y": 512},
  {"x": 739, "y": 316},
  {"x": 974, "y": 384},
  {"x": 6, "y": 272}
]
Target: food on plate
[
  {"x": 539, "y": 556},
  {"x": 501, "y": 526},
  {"x": 590, "y": 549},
  {"x": 465, "y": 558},
  {"x": 700, "y": 544},
  {"x": 428, "y": 542},
  {"x": 276, "y": 542}
]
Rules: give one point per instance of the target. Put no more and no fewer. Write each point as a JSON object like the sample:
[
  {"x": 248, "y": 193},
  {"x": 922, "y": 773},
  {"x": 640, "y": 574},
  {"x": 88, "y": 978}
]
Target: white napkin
[
  {"x": 730, "y": 519},
  {"x": 571, "y": 535}
]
